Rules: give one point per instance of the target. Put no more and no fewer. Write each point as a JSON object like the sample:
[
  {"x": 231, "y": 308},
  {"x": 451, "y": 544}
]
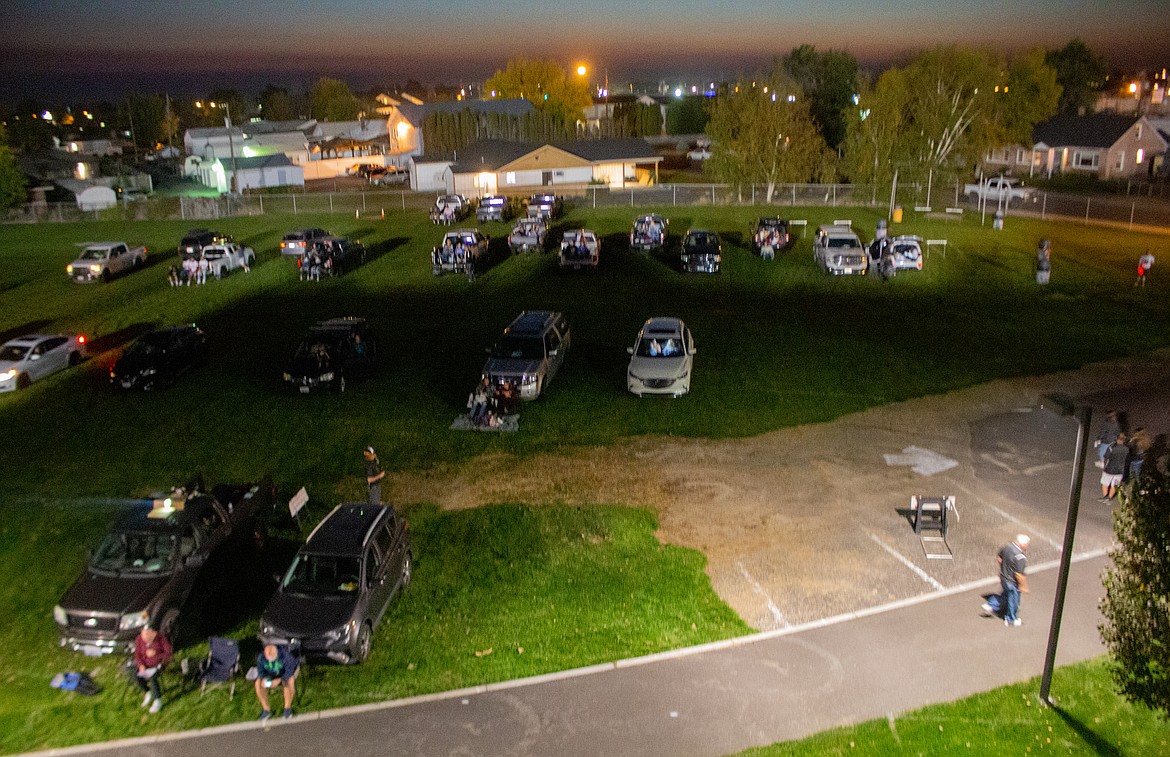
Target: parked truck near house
[
  {"x": 101, "y": 261},
  {"x": 995, "y": 188}
]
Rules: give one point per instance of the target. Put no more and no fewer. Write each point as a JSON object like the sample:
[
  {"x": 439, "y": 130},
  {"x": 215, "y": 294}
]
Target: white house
[
  {"x": 89, "y": 195},
  {"x": 1105, "y": 145},
  {"x": 257, "y": 172}
]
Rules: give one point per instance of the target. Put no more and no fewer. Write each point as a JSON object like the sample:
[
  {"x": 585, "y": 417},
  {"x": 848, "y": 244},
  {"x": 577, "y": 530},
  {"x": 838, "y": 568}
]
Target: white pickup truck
[
  {"x": 224, "y": 258},
  {"x": 993, "y": 188},
  {"x": 101, "y": 261}
]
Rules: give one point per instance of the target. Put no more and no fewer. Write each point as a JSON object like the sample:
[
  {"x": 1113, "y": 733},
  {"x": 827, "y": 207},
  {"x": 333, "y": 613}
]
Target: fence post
[
  {"x": 834, "y": 195},
  {"x": 1132, "y": 205},
  {"x": 261, "y": 204},
  {"x": 330, "y": 203},
  {"x": 363, "y": 201},
  {"x": 794, "y": 194},
  {"x": 1043, "y": 206},
  {"x": 595, "y": 198},
  {"x": 1088, "y": 200},
  {"x": 674, "y": 194},
  {"x": 294, "y": 203},
  {"x": 403, "y": 200},
  {"x": 712, "y": 195},
  {"x": 631, "y": 198},
  {"x": 753, "y": 193}
]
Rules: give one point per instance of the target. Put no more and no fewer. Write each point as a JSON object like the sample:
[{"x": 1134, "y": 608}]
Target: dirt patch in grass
[{"x": 808, "y": 522}]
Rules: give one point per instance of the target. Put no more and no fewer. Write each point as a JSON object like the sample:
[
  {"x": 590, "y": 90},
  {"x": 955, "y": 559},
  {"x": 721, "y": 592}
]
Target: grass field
[
  {"x": 1088, "y": 719},
  {"x": 538, "y": 589},
  {"x": 779, "y": 343}
]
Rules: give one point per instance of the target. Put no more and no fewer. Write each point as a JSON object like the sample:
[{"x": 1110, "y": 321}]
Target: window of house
[
  {"x": 1139, "y": 134},
  {"x": 1141, "y": 155},
  {"x": 1120, "y": 160},
  {"x": 510, "y": 177},
  {"x": 1085, "y": 159},
  {"x": 1021, "y": 156}
]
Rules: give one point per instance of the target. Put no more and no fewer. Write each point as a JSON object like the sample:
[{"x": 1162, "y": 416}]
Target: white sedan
[
  {"x": 661, "y": 359},
  {"x": 27, "y": 358}
]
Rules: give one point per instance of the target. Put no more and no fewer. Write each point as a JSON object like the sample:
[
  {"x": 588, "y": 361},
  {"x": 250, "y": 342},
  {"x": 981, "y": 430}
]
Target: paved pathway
[{"x": 757, "y": 690}]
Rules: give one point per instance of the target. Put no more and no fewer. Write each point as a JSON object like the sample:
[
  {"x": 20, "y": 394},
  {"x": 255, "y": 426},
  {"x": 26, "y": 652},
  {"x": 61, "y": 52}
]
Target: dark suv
[
  {"x": 298, "y": 242},
  {"x": 158, "y": 358},
  {"x": 196, "y": 239},
  {"x": 340, "y": 583},
  {"x": 149, "y": 562},
  {"x": 334, "y": 350}
]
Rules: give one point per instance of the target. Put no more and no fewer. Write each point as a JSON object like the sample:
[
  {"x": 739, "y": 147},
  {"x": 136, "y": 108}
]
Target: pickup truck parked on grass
[
  {"x": 101, "y": 261},
  {"x": 224, "y": 258},
  {"x": 993, "y": 188}
]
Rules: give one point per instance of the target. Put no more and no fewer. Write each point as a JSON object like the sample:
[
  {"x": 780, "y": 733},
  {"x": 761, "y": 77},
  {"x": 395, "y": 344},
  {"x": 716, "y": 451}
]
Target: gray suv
[
  {"x": 529, "y": 352},
  {"x": 339, "y": 585}
]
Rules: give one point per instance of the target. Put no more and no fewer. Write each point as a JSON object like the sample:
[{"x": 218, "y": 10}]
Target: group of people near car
[
  {"x": 489, "y": 403},
  {"x": 276, "y": 667},
  {"x": 1120, "y": 456},
  {"x": 192, "y": 271},
  {"x": 312, "y": 264}
]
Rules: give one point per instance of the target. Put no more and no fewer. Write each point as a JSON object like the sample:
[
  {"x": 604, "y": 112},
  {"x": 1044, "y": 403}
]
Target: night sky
[{"x": 84, "y": 48}]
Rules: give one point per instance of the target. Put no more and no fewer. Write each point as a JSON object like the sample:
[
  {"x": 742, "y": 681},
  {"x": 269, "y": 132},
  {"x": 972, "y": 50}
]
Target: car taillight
[{"x": 81, "y": 339}]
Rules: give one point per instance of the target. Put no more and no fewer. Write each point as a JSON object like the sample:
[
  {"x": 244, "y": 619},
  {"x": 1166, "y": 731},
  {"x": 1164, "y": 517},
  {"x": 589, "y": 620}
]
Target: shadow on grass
[
  {"x": 30, "y": 327},
  {"x": 1090, "y": 737}
]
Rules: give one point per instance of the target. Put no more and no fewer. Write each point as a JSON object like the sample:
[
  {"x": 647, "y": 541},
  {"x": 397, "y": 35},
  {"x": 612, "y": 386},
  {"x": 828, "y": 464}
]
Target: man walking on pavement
[
  {"x": 1116, "y": 466},
  {"x": 374, "y": 475},
  {"x": 1108, "y": 434},
  {"x": 1013, "y": 563}
]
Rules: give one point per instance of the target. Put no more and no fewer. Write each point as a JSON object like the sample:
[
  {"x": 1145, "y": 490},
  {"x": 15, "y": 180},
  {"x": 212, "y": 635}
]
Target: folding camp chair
[{"x": 221, "y": 666}]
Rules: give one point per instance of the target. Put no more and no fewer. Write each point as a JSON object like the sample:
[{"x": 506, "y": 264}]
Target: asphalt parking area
[{"x": 811, "y": 522}]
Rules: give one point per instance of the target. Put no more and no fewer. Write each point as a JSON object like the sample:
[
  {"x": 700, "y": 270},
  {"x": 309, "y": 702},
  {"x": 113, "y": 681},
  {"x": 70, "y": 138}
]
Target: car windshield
[
  {"x": 13, "y": 352},
  {"x": 149, "y": 346},
  {"x": 135, "y": 552},
  {"x": 213, "y": 254},
  {"x": 842, "y": 242},
  {"x": 323, "y": 574},
  {"x": 701, "y": 240},
  {"x": 320, "y": 349},
  {"x": 519, "y": 348},
  {"x": 93, "y": 253},
  {"x": 659, "y": 346}
]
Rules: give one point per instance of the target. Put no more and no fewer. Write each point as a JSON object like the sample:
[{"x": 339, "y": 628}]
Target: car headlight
[
  {"x": 69, "y": 268},
  {"x": 337, "y": 634},
  {"x": 267, "y": 629},
  {"x": 95, "y": 268},
  {"x": 133, "y": 620},
  {"x": 325, "y": 376},
  {"x": 8, "y": 374},
  {"x": 60, "y": 615},
  {"x": 287, "y": 376}
]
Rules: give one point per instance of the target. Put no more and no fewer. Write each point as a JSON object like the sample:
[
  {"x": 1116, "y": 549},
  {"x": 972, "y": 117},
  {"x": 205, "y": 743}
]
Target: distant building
[
  {"x": 1104, "y": 145},
  {"x": 257, "y": 172},
  {"x": 404, "y": 121}
]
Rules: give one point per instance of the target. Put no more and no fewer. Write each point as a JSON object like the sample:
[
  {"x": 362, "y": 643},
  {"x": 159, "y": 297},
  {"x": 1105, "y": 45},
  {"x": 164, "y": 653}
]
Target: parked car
[
  {"x": 492, "y": 208},
  {"x": 700, "y": 153},
  {"x": 389, "y": 176},
  {"x": 528, "y": 234},
  {"x": 150, "y": 561},
  {"x": 158, "y": 358},
  {"x": 906, "y": 250},
  {"x": 580, "y": 249},
  {"x": 661, "y": 359},
  {"x": 334, "y": 351},
  {"x": 226, "y": 257},
  {"x": 838, "y": 250},
  {"x": 456, "y": 249},
  {"x": 702, "y": 252},
  {"x": 196, "y": 239},
  {"x": 546, "y": 206},
  {"x": 331, "y": 256},
  {"x": 26, "y": 359},
  {"x": 333, "y": 596},
  {"x": 450, "y": 208},
  {"x": 297, "y": 242},
  {"x": 529, "y": 352},
  {"x": 649, "y": 233},
  {"x": 769, "y": 236},
  {"x": 996, "y": 188},
  {"x": 101, "y": 261}
]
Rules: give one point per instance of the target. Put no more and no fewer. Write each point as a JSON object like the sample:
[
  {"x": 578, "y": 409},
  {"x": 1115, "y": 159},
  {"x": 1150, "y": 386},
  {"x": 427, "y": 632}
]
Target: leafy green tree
[
  {"x": 276, "y": 104},
  {"x": 1137, "y": 593},
  {"x": 760, "y": 137},
  {"x": 544, "y": 83},
  {"x": 12, "y": 181},
  {"x": 226, "y": 100},
  {"x": 1080, "y": 73},
  {"x": 332, "y": 100},
  {"x": 829, "y": 81},
  {"x": 687, "y": 115},
  {"x": 1030, "y": 95}
]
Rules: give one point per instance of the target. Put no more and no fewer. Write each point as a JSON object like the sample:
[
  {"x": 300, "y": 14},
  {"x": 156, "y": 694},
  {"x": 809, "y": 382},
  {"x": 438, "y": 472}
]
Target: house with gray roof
[
  {"x": 500, "y": 167},
  {"x": 1105, "y": 145}
]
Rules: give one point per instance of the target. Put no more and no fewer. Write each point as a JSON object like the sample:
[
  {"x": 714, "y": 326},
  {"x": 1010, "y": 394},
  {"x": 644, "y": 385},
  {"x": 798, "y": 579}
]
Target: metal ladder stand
[{"x": 931, "y": 524}]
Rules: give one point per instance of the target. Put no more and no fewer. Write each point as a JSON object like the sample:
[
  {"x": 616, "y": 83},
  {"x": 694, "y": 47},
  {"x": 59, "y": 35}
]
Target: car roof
[
  {"x": 836, "y": 228},
  {"x": 343, "y": 323},
  {"x": 532, "y": 322},
  {"x": 346, "y": 529},
  {"x": 30, "y": 339},
  {"x": 145, "y": 519},
  {"x": 663, "y": 326}
]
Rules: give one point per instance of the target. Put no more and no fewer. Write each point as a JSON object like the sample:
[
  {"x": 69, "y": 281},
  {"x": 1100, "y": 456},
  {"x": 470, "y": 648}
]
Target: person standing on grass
[
  {"x": 152, "y": 651},
  {"x": 1013, "y": 563},
  {"x": 1116, "y": 466},
  {"x": 374, "y": 475},
  {"x": 1043, "y": 261},
  {"x": 1145, "y": 263}
]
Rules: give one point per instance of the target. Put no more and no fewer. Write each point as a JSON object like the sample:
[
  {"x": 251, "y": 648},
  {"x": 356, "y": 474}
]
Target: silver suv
[
  {"x": 529, "y": 352},
  {"x": 838, "y": 250}
]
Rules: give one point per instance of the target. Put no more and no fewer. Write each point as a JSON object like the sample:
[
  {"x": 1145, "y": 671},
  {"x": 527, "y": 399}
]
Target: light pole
[
  {"x": 227, "y": 121},
  {"x": 1064, "y": 405}
]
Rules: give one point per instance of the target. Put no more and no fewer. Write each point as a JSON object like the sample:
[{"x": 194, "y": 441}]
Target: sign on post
[{"x": 297, "y": 502}]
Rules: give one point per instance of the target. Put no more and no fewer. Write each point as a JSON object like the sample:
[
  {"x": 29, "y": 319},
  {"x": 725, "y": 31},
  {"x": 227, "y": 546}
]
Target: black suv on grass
[
  {"x": 158, "y": 358},
  {"x": 333, "y": 351},
  {"x": 151, "y": 560},
  {"x": 340, "y": 583},
  {"x": 193, "y": 243}
]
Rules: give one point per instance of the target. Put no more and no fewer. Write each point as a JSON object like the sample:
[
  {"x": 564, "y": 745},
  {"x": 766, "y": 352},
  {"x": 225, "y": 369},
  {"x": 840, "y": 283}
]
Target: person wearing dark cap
[{"x": 374, "y": 475}]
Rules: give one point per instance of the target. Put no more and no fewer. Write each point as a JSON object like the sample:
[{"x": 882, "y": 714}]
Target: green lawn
[
  {"x": 779, "y": 343},
  {"x": 1088, "y": 718},
  {"x": 538, "y": 589}
]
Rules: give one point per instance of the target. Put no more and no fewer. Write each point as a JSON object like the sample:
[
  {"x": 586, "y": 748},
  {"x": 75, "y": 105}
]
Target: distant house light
[
  {"x": 678, "y": 91},
  {"x": 47, "y": 116},
  {"x": 510, "y": 177},
  {"x": 774, "y": 97},
  {"x": 82, "y": 171},
  {"x": 1141, "y": 154},
  {"x": 403, "y": 129},
  {"x": 792, "y": 98},
  {"x": 856, "y": 99}
]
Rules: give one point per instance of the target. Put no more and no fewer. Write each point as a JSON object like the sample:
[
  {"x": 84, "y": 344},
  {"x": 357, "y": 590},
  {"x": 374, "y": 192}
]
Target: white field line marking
[
  {"x": 1008, "y": 516},
  {"x": 917, "y": 570},
  {"x": 780, "y": 621}
]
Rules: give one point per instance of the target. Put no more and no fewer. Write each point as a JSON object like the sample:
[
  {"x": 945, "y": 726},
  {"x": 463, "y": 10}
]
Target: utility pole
[{"x": 234, "y": 187}]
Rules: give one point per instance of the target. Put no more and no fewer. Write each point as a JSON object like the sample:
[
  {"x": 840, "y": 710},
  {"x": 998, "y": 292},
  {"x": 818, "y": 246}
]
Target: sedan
[
  {"x": 661, "y": 359},
  {"x": 27, "y": 358},
  {"x": 160, "y": 357}
]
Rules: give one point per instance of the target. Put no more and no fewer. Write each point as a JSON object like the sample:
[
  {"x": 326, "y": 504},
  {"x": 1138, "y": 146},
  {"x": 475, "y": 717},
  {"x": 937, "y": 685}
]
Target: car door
[
  {"x": 384, "y": 579},
  {"x": 391, "y": 545}
]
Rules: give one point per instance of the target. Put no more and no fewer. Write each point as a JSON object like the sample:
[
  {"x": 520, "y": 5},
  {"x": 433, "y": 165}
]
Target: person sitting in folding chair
[{"x": 275, "y": 666}]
